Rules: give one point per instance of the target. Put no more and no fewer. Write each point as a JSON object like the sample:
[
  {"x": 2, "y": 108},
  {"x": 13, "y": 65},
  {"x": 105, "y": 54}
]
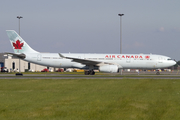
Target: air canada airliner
[{"x": 89, "y": 62}]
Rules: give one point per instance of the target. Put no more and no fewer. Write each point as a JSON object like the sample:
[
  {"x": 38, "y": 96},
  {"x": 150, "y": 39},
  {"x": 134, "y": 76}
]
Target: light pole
[
  {"x": 121, "y": 35},
  {"x": 120, "y": 32},
  {"x": 19, "y": 17}
]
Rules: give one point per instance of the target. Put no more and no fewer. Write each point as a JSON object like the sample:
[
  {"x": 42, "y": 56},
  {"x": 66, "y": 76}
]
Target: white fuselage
[{"x": 125, "y": 61}]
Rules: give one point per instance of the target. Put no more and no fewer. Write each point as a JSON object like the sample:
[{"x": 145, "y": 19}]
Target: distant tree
[
  {"x": 176, "y": 65},
  {"x": 178, "y": 62}
]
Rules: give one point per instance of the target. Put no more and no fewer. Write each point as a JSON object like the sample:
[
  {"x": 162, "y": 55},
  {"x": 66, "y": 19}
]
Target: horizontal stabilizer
[{"x": 22, "y": 56}]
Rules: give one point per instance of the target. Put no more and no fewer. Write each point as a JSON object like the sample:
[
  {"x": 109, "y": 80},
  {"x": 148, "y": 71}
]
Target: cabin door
[{"x": 39, "y": 57}]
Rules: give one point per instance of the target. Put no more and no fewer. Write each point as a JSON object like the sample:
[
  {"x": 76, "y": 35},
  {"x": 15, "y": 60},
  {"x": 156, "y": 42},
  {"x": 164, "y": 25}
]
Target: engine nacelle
[{"x": 109, "y": 68}]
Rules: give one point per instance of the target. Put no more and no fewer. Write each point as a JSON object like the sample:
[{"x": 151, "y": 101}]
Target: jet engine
[{"x": 109, "y": 68}]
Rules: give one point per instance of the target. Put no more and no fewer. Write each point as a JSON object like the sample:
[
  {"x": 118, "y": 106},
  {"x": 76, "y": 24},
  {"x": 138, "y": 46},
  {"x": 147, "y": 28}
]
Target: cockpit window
[{"x": 169, "y": 59}]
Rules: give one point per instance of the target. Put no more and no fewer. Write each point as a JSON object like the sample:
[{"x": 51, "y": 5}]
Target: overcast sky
[{"x": 93, "y": 26}]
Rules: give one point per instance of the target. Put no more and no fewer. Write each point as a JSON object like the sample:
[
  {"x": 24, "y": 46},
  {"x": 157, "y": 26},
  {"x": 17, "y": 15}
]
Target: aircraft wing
[{"x": 85, "y": 61}]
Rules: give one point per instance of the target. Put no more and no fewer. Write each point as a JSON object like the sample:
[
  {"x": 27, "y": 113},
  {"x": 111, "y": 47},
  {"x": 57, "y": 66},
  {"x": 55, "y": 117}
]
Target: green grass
[{"x": 90, "y": 99}]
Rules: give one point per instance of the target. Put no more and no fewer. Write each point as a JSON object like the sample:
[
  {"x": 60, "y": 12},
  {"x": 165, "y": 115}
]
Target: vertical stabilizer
[{"x": 18, "y": 44}]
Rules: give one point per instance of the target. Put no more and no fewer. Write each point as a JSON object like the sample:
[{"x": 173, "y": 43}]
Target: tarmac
[{"x": 130, "y": 75}]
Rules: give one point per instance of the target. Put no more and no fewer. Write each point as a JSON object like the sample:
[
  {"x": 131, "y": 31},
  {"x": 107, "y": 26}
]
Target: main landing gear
[
  {"x": 158, "y": 73},
  {"x": 89, "y": 72}
]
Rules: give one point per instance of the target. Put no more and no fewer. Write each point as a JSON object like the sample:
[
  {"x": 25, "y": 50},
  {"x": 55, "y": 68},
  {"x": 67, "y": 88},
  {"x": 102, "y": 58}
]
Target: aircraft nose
[{"x": 173, "y": 62}]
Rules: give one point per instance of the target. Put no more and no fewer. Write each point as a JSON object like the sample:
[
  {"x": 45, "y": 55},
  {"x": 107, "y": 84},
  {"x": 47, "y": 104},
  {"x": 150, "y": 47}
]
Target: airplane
[{"x": 111, "y": 63}]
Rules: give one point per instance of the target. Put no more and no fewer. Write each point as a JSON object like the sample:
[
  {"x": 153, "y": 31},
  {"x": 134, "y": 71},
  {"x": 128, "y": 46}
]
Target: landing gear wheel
[
  {"x": 92, "y": 72},
  {"x": 158, "y": 73},
  {"x": 89, "y": 72},
  {"x": 86, "y": 72}
]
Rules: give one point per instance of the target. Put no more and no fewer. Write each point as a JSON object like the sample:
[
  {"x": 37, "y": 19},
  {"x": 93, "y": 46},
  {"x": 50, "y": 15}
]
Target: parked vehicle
[
  {"x": 45, "y": 70},
  {"x": 4, "y": 69},
  {"x": 60, "y": 70}
]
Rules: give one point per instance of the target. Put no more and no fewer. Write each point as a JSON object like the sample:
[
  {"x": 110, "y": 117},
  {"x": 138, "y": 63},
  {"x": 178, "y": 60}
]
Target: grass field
[{"x": 90, "y": 99}]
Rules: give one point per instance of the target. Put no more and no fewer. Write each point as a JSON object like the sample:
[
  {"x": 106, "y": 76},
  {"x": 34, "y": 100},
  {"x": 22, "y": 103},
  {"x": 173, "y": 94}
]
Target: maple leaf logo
[
  {"x": 18, "y": 45},
  {"x": 147, "y": 57}
]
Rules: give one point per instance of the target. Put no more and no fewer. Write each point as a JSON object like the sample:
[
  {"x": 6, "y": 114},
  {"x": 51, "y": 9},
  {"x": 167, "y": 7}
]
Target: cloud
[
  {"x": 161, "y": 29},
  {"x": 176, "y": 29},
  {"x": 135, "y": 45},
  {"x": 172, "y": 29}
]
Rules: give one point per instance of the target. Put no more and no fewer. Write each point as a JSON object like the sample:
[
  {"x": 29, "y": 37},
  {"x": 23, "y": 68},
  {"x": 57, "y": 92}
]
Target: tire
[
  {"x": 92, "y": 72},
  {"x": 86, "y": 72},
  {"x": 158, "y": 73}
]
